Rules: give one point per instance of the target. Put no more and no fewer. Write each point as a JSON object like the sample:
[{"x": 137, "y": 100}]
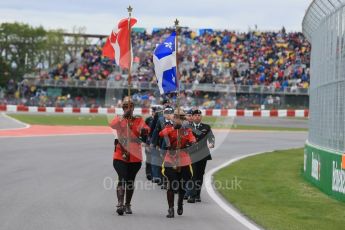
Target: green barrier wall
[{"x": 323, "y": 169}]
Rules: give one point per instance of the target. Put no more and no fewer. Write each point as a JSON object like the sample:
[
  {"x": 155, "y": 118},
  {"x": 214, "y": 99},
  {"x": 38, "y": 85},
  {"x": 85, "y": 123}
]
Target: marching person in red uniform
[
  {"x": 177, "y": 162},
  {"x": 131, "y": 132}
]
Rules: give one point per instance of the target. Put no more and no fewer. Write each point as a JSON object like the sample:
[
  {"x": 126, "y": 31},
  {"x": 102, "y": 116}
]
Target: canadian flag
[{"x": 117, "y": 45}]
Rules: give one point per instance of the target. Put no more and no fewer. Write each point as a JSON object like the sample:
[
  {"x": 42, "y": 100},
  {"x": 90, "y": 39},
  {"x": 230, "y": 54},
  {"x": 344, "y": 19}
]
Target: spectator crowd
[{"x": 278, "y": 60}]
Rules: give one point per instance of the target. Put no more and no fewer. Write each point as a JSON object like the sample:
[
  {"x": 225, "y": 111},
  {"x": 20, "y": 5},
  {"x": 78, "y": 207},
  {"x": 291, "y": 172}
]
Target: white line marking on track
[
  {"x": 221, "y": 202},
  {"x": 56, "y": 135},
  {"x": 26, "y": 126}
]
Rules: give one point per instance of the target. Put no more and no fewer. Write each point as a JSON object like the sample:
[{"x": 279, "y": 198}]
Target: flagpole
[
  {"x": 178, "y": 82},
  {"x": 129, "y": 9},
  {"x": 177, "y": 71}
]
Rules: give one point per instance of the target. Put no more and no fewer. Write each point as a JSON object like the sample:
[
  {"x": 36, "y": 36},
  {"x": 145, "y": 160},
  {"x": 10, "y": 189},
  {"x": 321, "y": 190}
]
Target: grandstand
[{"x": 265, "y": 69}]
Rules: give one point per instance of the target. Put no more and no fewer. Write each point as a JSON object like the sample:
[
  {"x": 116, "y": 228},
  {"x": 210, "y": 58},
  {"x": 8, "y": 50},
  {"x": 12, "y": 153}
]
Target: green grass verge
[
  {"x": 52, "y": 119},
  {"x": 267, "y": 128},
  {"x": 102, "y": 120},
  {"x": 273, "y": 193},
  {"x": 227, "y": 123}
]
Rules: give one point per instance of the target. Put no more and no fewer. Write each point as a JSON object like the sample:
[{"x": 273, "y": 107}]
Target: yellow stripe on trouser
[
  {"x": 191, "y": 170},
  {"x": 163, "y": 169}
]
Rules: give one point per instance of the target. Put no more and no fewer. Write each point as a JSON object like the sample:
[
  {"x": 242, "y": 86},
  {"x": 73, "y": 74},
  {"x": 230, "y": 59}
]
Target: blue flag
[{"x": 164, "y": 59}]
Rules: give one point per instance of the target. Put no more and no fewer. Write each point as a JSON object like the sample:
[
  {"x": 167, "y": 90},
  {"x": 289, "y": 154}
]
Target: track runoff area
[{"x": 97, "y": 148}]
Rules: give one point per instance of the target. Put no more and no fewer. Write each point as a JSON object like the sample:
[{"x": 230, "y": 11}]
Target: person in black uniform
[
  {"x": 200, "y": 153},
  {"x": 189, "y": 116},
  {"x": 159, "y": 144},
  {"x": 148, "y": 150},
  {"x": 159, "y": 113}
]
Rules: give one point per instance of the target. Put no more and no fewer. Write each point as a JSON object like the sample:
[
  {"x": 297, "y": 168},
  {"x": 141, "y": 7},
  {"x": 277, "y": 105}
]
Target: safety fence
[{"x": 145, "y": 111}]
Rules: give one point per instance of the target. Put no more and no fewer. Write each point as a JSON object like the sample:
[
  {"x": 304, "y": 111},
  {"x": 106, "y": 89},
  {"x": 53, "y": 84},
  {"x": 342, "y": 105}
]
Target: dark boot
[
  {"x": 128, "y": 209},
  {"x": 197, "y": 197},
  {"x": 120, "y": 198},
  {"x": 191, "y": 200},
  {"x": 170, "y": 198},
  {"x": 148, "y": 171},
  {"x": 129, "y": 195},
  {"x": 180, "y": 204},
  {"x": 171, "y": 213}
]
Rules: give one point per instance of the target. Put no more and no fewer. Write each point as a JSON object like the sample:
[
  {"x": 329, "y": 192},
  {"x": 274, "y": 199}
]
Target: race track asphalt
[
  {"x": 66, "y": 182},
  {"x": 8, "y": 123}
]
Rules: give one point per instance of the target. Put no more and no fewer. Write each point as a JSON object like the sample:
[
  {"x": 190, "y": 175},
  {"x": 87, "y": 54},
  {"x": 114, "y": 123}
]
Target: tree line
[{"x": 24, "y": 49}]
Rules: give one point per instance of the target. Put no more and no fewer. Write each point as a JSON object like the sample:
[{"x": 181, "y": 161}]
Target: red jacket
[
  {"x": 134, "y": 148},
  {"x": 182, "y": 158}
]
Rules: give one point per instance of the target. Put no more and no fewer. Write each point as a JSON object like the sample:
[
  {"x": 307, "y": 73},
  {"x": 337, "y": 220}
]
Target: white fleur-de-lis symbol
[
  {"x": 168, "y": 45},
  {"x": 173, "y": 79}
]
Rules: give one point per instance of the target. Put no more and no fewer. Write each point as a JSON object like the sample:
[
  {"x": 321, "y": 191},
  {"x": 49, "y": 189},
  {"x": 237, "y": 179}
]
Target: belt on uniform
[{"x": 124, "y": 141}]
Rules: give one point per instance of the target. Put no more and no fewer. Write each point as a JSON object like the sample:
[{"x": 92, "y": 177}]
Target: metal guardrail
[
  {"x": 317, "y": 12},
  {"x": 324, "y": 27},
  {"x": 224, "y": 88}
]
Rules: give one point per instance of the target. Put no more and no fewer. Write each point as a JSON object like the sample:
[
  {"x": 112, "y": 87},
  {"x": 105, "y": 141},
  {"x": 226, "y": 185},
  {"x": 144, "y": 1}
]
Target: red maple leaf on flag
[{"x": 117, "y": 46}]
